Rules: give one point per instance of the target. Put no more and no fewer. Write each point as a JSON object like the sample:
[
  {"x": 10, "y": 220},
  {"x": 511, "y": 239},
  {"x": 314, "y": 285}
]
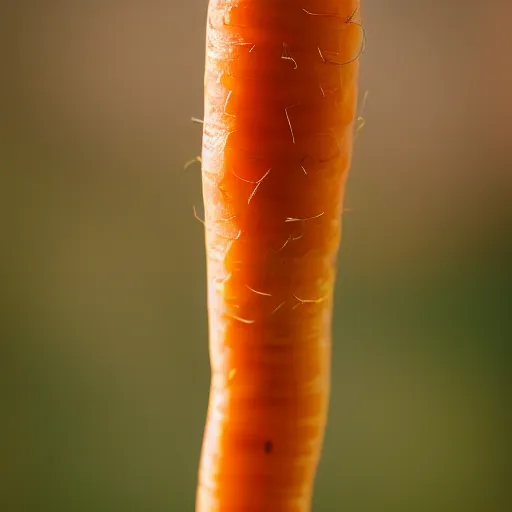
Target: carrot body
[{"x": 280, "y": 103}]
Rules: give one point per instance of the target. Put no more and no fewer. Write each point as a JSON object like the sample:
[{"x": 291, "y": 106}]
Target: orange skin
[{"x": 280, "y": 105}]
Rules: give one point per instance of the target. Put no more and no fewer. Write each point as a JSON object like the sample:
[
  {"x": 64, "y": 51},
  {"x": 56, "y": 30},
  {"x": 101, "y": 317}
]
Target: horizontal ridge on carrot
[{"x": 280, "y": 105}]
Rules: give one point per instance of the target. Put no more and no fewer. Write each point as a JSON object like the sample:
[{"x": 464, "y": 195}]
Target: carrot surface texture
[{"x": 280, "y": 106}]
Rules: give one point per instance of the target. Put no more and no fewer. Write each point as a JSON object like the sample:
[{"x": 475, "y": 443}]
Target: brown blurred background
[{"x": 104, "y": 364}]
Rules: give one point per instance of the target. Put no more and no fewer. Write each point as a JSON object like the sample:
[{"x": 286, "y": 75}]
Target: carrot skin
[{"x": 280, "y": 105}]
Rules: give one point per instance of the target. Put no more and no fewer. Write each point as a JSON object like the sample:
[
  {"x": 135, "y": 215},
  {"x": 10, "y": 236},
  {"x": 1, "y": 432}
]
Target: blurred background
[{"x": 104, "y": 369}]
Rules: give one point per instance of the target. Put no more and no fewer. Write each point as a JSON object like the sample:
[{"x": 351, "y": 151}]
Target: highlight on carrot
[{"x": 280, "y": 109}]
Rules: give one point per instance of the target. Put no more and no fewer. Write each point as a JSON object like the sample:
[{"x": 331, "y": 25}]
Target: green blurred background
[{"x": 104, "y": 365}]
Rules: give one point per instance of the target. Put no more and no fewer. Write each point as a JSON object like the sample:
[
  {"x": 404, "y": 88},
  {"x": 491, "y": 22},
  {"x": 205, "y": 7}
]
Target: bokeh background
[{"x": 104, "y": 366}]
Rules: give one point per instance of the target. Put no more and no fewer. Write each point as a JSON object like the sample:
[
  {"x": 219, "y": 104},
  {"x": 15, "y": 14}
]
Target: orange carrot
[{"x": 280, "y": 105}]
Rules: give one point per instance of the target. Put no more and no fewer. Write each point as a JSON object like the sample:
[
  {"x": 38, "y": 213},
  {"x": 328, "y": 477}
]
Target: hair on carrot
[
  {"x": 197, "y": 216},
  {"x": 289, "y": 120},
  {"x": 287, "y": 241},
  {"x": 257, "y": 183},
  {"x": 225, "y": 279},
  {"x": 361, "y": 121},
  {"x": 253, "y": 193},
  {"x": 240, "y": 319},
  {"x": 227, "y": 219},
  {"x": 226, "y": 113},
  {"x": 333, "y": 15},
  {"x": 242, "y": 43},
  {"x": 286, "y": 56},
  {"x": 310, "y": 301},
  {"x": 251, "y": 181},
  {"x": 323, "y": 53},
  {"x": 302, "y": 166},
  {"x": 303, "y": 219},
  {"x": 327, "y": 92},
  {"x": 278, "y": 307},
  {"x": 257, "y": 292},
  {"x": 233, "y": 239},
  {"x": 196, "y": 160},
  {"x": 290, "y": 238}
]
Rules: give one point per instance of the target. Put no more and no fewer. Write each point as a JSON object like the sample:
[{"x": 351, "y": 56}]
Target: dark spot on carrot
[{"x": 268, "y": 446}]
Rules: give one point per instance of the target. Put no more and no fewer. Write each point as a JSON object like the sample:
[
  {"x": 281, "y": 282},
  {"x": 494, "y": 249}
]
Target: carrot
[{"x": 280, "y": 105}]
